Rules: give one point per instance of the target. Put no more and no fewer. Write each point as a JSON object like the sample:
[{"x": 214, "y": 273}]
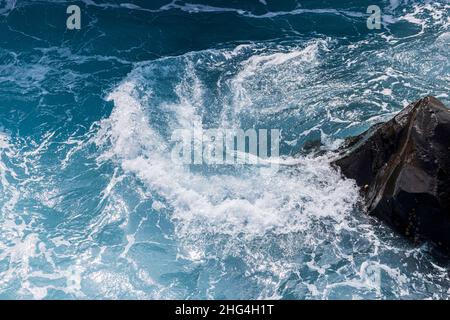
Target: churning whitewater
[{"x": 92, "y": 205}]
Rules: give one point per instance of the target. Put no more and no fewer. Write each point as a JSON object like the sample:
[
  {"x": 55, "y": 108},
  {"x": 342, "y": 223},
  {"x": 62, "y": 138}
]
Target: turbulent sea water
[{"x": 91, "y": 205}]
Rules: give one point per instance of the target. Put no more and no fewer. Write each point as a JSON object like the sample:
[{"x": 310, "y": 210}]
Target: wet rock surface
[{"x": 403, "y": 169}]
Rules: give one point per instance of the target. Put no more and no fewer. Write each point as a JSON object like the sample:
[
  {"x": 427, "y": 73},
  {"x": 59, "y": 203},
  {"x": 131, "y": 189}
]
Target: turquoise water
[{"x": 91, "y": 205}]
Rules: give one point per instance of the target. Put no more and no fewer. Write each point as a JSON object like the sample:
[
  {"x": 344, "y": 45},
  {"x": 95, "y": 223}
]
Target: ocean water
[{"x": 91, "y": 204}]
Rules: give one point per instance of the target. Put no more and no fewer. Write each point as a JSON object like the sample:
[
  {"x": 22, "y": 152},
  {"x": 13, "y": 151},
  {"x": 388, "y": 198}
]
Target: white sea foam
[
  {"x": 196, "y": 8},
  {"x": 224, "y": 203},
  {"x": 292, "y": 232},
  {"x": 221, "y": 214},
  {"x": 202, "y": 8},
  {"x": 247, "y": 204},
  {"x": 282, "y": 73},
  {"x": 7, "y": 6},
  {"x": 3, "y": 141}
]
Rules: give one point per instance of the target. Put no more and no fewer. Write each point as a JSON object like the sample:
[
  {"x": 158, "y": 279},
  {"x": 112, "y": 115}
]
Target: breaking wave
[{"x": 92, "y": 206}]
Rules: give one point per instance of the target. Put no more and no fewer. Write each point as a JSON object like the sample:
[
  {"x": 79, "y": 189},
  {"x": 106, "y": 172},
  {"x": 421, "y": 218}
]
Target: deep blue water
[{"x": 91, "y": 205}]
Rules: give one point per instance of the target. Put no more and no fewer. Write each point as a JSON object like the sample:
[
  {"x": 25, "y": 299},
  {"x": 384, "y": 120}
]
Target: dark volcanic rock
[{"x": 403, "y": 169}]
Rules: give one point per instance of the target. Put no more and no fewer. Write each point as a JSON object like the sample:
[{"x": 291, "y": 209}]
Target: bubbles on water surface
[
  {"x": 297, "y": 233},
  {"x": 111, "y": 216}
]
